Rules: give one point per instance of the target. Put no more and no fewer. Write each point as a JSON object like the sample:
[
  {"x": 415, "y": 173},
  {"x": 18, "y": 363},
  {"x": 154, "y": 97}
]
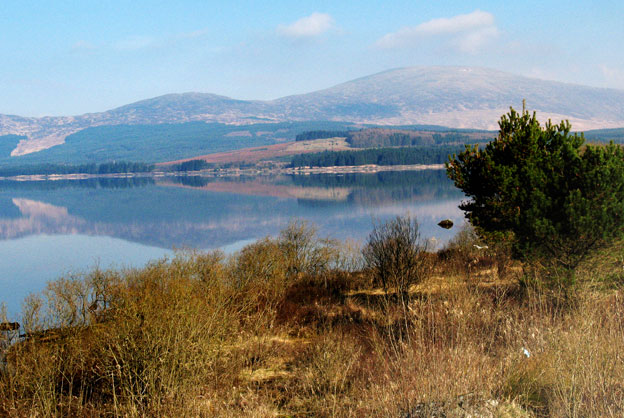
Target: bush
[
  {"x": 554, "y": 199},
  {"x": 304, "y": 251},
  {"x": 258, "y": 271},
  {"x": 394, "y": 253}
]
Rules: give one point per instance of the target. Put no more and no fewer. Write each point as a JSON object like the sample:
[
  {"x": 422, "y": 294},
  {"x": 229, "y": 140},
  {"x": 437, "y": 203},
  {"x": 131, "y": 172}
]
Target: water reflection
[{"x": 204, "y": 212}]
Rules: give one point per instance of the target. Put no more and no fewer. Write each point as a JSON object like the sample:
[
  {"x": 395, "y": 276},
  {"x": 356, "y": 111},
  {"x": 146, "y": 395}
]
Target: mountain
[{"x": 458, "y": 97}]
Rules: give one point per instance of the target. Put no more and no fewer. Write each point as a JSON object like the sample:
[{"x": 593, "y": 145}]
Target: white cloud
[
  {"x": 466, "y": 33},
  {"x": 472, "y": 41},
  {"x": 307, "y": 27}
]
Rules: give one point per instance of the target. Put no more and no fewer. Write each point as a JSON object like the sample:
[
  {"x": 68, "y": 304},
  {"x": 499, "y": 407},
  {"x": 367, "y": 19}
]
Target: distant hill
[
  {"x": 603, "y": 135},
  {"x": 457, "y": 97}
]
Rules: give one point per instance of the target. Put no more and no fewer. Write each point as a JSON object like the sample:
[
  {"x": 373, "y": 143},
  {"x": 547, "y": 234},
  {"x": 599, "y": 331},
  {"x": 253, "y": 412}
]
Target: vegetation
[
  {"x": 453, "y": 138},
  {"x": 606, "y": 135},
  {"x": 104, "y": 168},
  {"x": 309, "y": 135},
  {"x": 296, "y": 325},
  {"x": 301, "y": 325},
  {"x": 8, "y": 144},
  {"x": 379, "y": 156},
  {"x": 161, "y": 142},
  {"x": 538, "y": 188},
  {"x": 384, "y": 137},
  {"x": 192, "y": 165},
  {"x": 394, "y": 253},
  {"x": 399, "y": 136}
]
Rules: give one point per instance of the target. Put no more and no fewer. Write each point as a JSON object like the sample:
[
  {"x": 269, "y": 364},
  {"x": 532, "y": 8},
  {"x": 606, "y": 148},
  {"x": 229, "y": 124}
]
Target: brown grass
[
  {"x": 266, "y": 152},
  {"x": 293, "y": 327}
]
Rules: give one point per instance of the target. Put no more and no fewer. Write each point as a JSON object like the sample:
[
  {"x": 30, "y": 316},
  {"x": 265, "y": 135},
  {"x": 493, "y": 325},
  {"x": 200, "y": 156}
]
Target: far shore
[{"x": 232, "y": 172}]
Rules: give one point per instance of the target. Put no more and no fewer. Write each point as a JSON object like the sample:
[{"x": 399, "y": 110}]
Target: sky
[{"x": 72, "y": 57}]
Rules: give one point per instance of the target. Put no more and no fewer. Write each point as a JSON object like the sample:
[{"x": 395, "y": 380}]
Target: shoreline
[{"x": 231, "y": 172}]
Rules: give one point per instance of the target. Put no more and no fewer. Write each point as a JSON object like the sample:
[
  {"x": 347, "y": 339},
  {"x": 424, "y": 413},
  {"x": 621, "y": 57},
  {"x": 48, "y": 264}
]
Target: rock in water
[{"x": 446, "y": 224}]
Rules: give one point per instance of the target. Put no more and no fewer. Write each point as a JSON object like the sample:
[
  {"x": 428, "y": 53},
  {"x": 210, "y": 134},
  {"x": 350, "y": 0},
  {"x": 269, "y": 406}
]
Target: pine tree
[{"x": 539, "y": 187}]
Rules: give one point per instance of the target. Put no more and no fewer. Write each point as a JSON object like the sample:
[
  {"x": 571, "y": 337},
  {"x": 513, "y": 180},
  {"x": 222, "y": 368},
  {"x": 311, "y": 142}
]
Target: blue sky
[{"x": 74, "y": 57}]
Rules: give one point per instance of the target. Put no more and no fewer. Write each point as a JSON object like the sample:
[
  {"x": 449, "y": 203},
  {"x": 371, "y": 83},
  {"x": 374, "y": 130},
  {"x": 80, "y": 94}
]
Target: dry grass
[
  {"x": 293, "y": 327},
  {"x": 267, "y": 152}
]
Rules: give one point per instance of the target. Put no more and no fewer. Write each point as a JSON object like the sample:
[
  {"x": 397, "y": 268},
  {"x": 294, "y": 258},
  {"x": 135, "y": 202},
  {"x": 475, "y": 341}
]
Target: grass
[{"x": 294, "y": 326}]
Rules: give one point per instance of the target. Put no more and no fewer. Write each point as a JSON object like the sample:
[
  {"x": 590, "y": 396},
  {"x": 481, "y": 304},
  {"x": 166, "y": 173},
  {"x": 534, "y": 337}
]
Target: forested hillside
[
  {"x": 162, "y": 142},
  {"x": 606, "y": 135},
  {"x": 378, "y": 156},
  {"x": 385, "y": 137}
]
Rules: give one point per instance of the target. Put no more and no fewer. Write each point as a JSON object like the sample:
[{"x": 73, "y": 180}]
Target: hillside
[
  {"x": 458, "y": 97},
  {"x": 604, "y": 135},
  {"x": 352, "y": 142},
  {"x": 153, "y": 143}
]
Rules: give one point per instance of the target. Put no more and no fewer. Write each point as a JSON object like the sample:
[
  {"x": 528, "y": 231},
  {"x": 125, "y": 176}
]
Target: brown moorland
[{"x": 268, "y": 152}]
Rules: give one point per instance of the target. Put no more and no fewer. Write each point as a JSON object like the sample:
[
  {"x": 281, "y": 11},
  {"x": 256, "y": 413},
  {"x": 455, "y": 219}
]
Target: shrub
[
  {"x": 394, "y": 253},
  {"x": 304, "y": 251}
]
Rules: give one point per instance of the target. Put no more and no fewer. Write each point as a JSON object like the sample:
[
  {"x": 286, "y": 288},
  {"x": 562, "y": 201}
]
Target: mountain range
[{"x": 456, "y": 97}]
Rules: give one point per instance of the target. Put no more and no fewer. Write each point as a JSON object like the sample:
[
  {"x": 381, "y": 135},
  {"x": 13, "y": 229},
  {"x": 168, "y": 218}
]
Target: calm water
[{"x": 56, "y": 228}]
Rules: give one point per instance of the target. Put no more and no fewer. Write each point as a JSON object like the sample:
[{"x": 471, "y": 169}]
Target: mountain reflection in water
[{"x": 203, "y": 212}]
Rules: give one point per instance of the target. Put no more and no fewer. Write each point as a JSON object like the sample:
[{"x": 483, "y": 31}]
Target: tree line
[
  {"x": 192, "y": 165},
  {"x": 379, "y": 156},
  {"x": 384, "y": 137},
  {"x": 92, "y": 168}
]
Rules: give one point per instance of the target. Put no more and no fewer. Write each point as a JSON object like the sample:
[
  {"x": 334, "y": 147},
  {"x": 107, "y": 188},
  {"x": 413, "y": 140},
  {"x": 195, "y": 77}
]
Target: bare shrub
[
  {"x": 258, "y": 276},
  {"x": 260, "y": 263},
  {"x": 304, "y": 251},
  {"x": 350, "y": 258},
  {"x": 460, "y": 251},
  {"x": 395, "y": 252}
]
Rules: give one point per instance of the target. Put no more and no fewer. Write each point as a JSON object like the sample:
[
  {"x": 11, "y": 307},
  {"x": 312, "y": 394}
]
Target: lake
[{"x": 50, "y": 229}]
